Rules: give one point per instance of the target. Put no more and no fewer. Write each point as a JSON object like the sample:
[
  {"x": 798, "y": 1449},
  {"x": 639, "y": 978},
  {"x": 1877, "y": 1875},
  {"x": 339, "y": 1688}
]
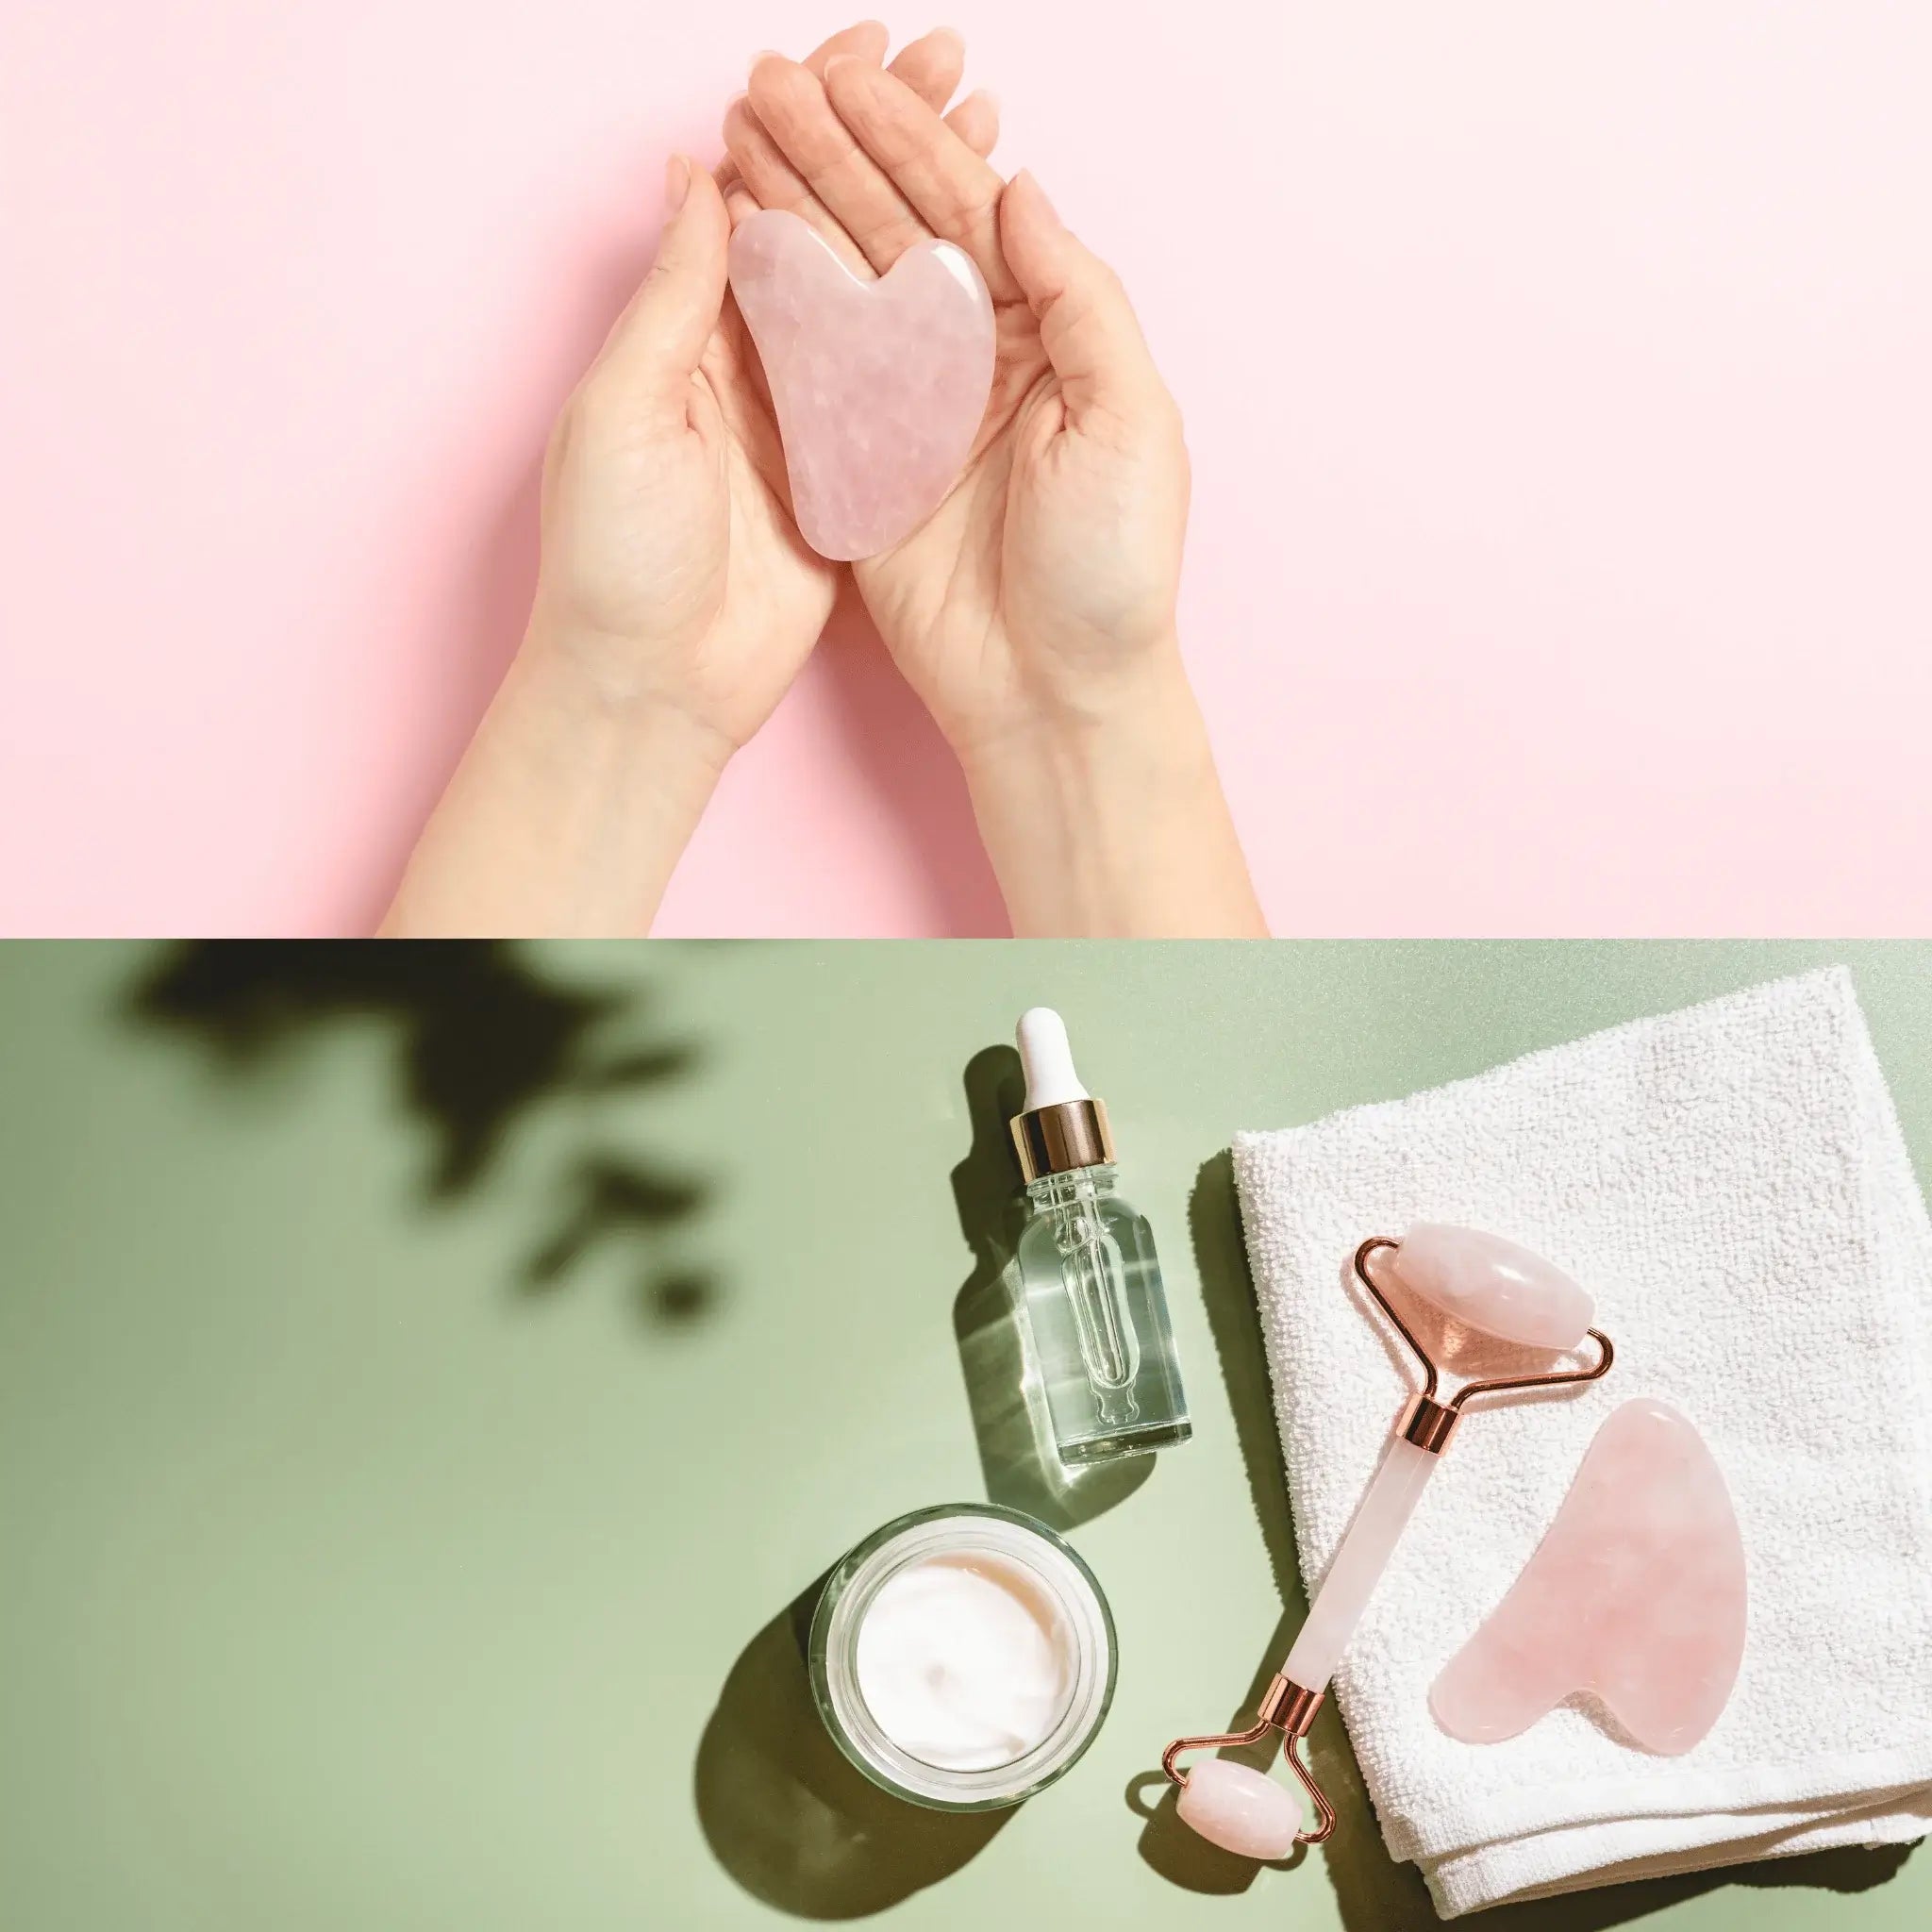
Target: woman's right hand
[
  {"x": 1042, "y": 590},
  {"x": 1034, "y": 611}
]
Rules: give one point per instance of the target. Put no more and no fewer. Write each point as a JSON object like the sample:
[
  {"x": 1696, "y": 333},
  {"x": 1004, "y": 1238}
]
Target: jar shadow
[
  {"x": 789, "y": 1816},
  {"x": 1017, "y": 1458}
]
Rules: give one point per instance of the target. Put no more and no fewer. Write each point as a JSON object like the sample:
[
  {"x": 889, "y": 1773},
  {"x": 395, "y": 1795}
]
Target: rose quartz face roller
[{"x": 1482, "y": 1282}]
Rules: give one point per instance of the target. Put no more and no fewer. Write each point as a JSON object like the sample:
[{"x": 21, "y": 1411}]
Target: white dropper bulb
[{"x": 1047, "y": 1058}]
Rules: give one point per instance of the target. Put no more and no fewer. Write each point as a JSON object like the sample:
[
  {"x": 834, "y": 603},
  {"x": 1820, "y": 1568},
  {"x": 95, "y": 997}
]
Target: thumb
[
  {"x": 1086, "y": 326},
  {"x": 655, "y": 346}
]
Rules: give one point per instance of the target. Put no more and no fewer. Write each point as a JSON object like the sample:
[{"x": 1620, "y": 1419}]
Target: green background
[{"x": 428, "y": 1380}]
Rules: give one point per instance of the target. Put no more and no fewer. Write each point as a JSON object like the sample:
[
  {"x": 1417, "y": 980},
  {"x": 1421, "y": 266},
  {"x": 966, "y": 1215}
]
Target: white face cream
[
  {"x": 962, "y": 1656},
  {"x": 965, "y": 1661}
]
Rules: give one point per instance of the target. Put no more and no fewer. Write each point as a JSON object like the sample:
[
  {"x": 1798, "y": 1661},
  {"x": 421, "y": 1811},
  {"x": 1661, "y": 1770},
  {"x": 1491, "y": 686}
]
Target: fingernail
[
  {"x": 677, "y": 183},
  {"x": 987, "y": 94},
  {"x": 763, "y": 53},
  {"x": 1027, "y": 175}
]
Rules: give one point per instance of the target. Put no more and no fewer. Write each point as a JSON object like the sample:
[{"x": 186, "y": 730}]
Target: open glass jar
[{"x": 906, "y": 1650}]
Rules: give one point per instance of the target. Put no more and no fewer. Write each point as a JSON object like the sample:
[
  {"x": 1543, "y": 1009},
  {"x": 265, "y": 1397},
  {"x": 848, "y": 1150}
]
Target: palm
[
  {"x": 773, "y": 594},
  {"x": 941, "y": 595},
  {"x": 678, "y": 531},
  {"x": 1032, "y": 579}
]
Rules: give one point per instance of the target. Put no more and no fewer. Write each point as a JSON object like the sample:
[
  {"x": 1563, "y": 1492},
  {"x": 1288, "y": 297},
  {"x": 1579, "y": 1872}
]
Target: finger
[
  {"x": 791, "y": 103},
  {"x": 976, "y": 121},
  {"x": 867, "y": 41},
  {"x": 1087, "y": 324},
  {"x": 953, "y": 190},
  {"x": 931, "y": 66},
  {"x": 655, "y": 343},
  {"x": 774, "y": 182}
]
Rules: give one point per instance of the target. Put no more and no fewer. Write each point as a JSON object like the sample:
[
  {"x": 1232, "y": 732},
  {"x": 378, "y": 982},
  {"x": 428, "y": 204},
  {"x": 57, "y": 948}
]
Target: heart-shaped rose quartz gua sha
[
  {"x": 1636, "y": 1593},
  {"x": 879, "y": 386}
]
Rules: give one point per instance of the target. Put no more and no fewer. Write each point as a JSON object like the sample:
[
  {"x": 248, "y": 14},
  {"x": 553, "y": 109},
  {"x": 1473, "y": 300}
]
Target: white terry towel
[{"x": 1731, "y": 1184}]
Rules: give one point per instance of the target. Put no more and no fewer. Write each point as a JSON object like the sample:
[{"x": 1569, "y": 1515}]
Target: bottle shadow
[
  {"x": 1010, "y": 1423},
  {"x": 789, "y": 1816},
  {"x": 1372, "y": 1893}
]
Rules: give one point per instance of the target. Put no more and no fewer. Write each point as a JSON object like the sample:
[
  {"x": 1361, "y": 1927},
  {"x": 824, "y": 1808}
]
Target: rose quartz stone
[
  {"x": 1494, "y": 1285},
  {"x": 879, "y": 386},
  {"x": 1636, "y": 1593},
  {"x": 1239, "y": 1808},
  {"x": 1357, "y": 1567}
]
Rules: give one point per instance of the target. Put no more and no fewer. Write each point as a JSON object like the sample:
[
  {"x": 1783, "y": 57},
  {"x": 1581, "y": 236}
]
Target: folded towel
[{"x": 1731, "y": 1184}]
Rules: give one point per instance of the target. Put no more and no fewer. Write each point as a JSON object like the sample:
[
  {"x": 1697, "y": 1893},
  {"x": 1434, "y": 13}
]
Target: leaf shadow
[{"x": 480, "y": 1040}]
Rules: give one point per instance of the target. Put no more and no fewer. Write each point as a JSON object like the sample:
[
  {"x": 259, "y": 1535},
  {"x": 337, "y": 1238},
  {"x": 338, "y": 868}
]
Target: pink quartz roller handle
[
  {"x": 1379, "y": 1521},
  {"x": 1242, "y": 1809}
]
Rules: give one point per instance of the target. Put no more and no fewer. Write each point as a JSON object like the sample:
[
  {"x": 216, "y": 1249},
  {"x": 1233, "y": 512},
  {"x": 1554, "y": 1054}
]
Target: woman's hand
[
  {"x": 675, "y": 601},
  {"x": 671, "y": 574},
  {"x": 1034, "y": 611}
]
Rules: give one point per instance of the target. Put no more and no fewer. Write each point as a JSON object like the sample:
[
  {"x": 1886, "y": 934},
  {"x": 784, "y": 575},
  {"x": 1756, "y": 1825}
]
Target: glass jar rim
[{"x": 1053, "y": 1564}]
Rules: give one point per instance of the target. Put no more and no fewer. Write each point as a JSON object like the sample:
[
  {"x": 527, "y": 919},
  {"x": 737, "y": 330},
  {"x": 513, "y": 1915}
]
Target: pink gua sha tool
[
  {"x": 1636, "y": 1595},
  {"x": 1482, "y": 1282},
  {"x": 879, "y": 388}
]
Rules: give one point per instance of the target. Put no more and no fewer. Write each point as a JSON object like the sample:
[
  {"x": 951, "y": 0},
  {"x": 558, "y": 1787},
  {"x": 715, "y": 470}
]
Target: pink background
[{"x": 1558, "y": 380}]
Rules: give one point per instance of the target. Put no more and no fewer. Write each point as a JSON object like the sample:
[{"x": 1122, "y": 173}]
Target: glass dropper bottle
[{"x": 1089, "y": 1276}]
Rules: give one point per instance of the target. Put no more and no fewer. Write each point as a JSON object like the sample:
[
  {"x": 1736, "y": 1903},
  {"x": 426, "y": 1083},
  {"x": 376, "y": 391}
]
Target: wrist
[
  {"x": 1111, "y": 822},
  {"x": 1144, "y": 714},
  {"x": 1093, "y": 716},
  {"x": 567, "y": 815},
  {"x": 593, "y": 680}
]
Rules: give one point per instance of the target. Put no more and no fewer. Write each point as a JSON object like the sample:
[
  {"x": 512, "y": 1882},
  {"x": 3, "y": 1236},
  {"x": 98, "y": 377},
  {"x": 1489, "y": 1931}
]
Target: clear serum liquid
[{"x": 1097, "y": 1318}]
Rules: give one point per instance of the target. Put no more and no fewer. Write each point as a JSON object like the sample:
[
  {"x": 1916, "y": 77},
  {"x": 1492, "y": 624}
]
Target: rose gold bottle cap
[{"x": 1063, "y": 1127}]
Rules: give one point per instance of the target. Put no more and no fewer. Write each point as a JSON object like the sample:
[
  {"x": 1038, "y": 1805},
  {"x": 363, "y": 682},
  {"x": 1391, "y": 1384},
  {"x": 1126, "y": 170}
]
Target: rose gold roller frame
[{"x": 1427, "y": 1427}]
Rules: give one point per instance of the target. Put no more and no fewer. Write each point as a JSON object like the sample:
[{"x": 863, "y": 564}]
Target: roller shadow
[
  {"x": 1009, "y": 1419},
  {"x": 790, "y": 1817},
  {"x": 1372, "y": 1893}
]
